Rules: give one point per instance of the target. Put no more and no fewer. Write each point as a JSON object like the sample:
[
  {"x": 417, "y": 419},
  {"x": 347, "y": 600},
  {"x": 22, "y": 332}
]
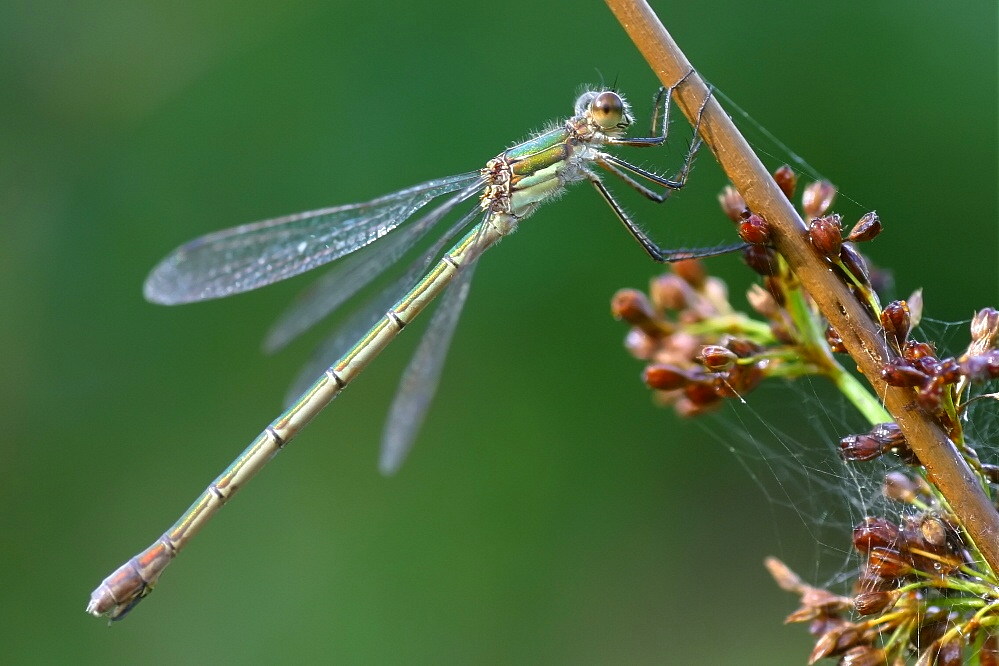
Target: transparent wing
[
  {"x": 419, "y": 381},
  {"x": 253, "y": 255},
  {"x": 355, "y": 326},
  {"x": 353, "y": 274}
]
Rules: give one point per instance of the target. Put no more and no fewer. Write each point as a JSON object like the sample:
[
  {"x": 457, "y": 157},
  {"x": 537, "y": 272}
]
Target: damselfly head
[{"x": 607, "y": 109}]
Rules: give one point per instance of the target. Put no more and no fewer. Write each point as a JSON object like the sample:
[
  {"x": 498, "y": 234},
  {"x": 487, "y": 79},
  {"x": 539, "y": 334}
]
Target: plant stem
[{"x": 944, "y": 464}]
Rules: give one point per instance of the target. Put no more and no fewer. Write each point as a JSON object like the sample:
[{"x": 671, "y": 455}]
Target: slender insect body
[{"x": 510, "y": 187}]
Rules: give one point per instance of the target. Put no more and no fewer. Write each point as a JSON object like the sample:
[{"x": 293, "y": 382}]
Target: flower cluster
[{"x": 923, "y": 591}]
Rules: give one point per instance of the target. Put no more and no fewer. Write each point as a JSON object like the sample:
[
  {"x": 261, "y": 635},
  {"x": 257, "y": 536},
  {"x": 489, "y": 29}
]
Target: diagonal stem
[{"x": 861, "y": 336}]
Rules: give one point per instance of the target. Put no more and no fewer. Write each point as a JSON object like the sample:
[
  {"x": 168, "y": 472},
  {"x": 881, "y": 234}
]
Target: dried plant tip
[
  {"x": 732, "y": 203},
  {"x": 669, "y": 292},
  {"x": 754, "y": 230},
  {"x": 869, "y": 603},
  {"x": 875, "y": 533},
  {"x": 899, "y": 487},
  {"x": 864, "y": 655},
  {"x": 761, "y": 259},
  {"x": 762, "y": 301},
  {"x": 900, "y": 372},
  {"x": 783, "y": 576},
  {"x": 834, "y": 341},
  {"x": 716, "y": 358},
  {"x": 633, "y": 307},
  {"x": 786, "y": 179},
  {"x": 836, "y": 641},
  {"x": 895, "y": 321},
  {"x": 985, "y": 329},
  {"x": 855, "y": 263},
  {"x": 915, "y": 303},
  {"x": 826, "y": 235},
  {"x": 867, "y": 228},
  {"x": 665, "y": 377},
  {"x": 691, "y": 271},
  {"x": 817, "y": 198}
]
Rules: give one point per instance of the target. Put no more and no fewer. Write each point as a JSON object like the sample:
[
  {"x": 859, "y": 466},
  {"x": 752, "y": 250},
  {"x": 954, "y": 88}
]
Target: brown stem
[{"x": 861, "y": 336}]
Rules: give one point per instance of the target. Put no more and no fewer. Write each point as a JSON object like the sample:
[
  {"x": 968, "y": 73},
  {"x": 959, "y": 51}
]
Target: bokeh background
[{"x": 549, "y": 512}]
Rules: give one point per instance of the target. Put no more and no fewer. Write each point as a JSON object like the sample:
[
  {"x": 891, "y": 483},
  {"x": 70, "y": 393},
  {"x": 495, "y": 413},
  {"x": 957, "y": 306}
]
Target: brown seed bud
[
  {"x": 934, "y": 531},
  {"x": 786, "y": 179},
  {"x": 867, "y": 228},
  {"x": 860, "y": 448},
  {"x": 817, "y": 198},
  {"x": 633, "y": 307},
  {"x": 691, "y": 271},
  {"x": 743, "y": 348},
  {"x": 834, "y": 341},
  {"x": 855, "y": 263},
  {"x": 716, "y": 358},
  {"x": 899, "y": 487},
  {"x": 826, "y": 235},
  {"x": 887, "y": 563},
  {"x": 754, "y": 230},
  {"x": 669, "y": 292},
  {"x": 913, "y": 350},
  {"x": 864, "y": 655},
  {"x": 869, "y": 603},
  {"x": 701, "y": 393},
  {"x": 899, "y": 372},
  {"x": 875, "y": 533},
  {"x": 948, "y": 370},
  {"x": 640, "y": 344},
  {"x": 732, "y": 203},
  {"x": 931, "y": 394},
  {"x": 761, "y": 259},
  {"x": 665, "y": 377},
  {"x": 834, "y": 642},
  {"x": 895, "y": 321}
]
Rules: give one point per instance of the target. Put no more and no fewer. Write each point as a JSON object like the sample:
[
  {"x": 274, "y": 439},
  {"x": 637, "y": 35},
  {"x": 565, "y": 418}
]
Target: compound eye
[{"x": 607, "y": 109}]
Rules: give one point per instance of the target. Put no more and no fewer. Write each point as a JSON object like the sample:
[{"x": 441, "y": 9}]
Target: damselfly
[{"x": 509, "y": 188}]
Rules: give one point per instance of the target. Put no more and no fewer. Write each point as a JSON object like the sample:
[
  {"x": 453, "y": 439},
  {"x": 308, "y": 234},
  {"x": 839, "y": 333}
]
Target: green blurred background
[{"x": 549, "y": 512}]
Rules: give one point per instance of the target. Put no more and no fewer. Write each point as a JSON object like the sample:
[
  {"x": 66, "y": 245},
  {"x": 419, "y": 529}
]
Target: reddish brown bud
[
  {"x": 754, "y": 230},
  {"x": 864, "y": 655},
  {"x": 826, "y": 235},
  {"x": 899, "y": 487},
  {"x": 633, "y": 307},
  {"x": 895, "y": 321},
  {"x": 716, "y": 358},
  {"x": 761, "y": 259},
  {"x": 875, "y": 533},
  {"x": 669, "y": 292},
  {"x": 732, "y": 203},
  {"x": 855, "y": 263},
  {"x": 934, "y": 531},
  {"x": 691, "y": 271},
  {"x": 899, "y": 372},
  {"x": 834, "y": 341},
  {"x": 834, "y": 642},
  {"x": 743, "y": 348},
  {"x": 913, "y": 350},
  {"x": 869, "y": 603},
  {"x": 786, "y": 179},
  {"x": 665, "y": 377},
  {"x": 817, "y": 198},
  {"x": 887, "y": 563},
  {"x": 931, "y": 394},
  {"x": 860, "y": 448},
  {"x": 867, "y": 228},
  {"x": 700, "y": 393}
]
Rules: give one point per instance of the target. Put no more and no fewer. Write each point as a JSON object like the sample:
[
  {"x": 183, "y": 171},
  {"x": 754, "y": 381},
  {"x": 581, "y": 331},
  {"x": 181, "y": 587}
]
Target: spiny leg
[
  {"x": 622, "y": 169},
  {"x": 658, "y": 254}
]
